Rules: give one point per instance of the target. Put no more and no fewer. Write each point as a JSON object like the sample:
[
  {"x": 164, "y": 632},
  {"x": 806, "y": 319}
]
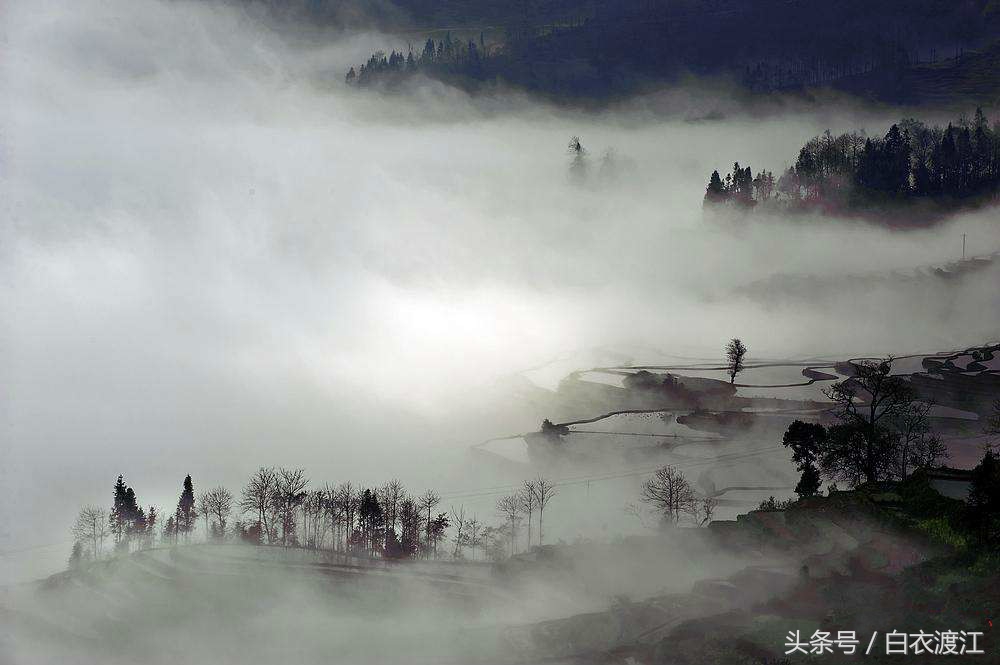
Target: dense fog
[{"x": 215, "y": 255}]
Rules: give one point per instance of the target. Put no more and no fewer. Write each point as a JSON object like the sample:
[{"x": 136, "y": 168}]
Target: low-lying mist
[
  {"x": 216, "y": 256},
  {"x": 241, "y": 604}
]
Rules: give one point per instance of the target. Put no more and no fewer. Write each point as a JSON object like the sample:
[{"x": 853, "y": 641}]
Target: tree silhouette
[
  {"x": 119, "y": 518},
  {"x": 126, "y": 519},
  {"x": 289, "y": 492},
  {"x": 578, "y": 160},
  {"x": 735, "y": 352},
  {"x": 528, "y": 501},
  {"x": 439, "y": 525},
  {"x": 474, "y": 531},
  {"x": 715, "y": 192},
  {"x": 915, "y": 445},
  {"x": 984, "y": 498},
  {"x": 170, "y": 529},
  {"x": 428, "y": 501},
  {"x": 509, "y": 507},
  {"x": 91, "y": 527},
  {"x": 185, "y": 515},
  {"x": 202, "y": 503},
  {"x": 372, "y": 520},
  {"x": 544, "y": 490},
  {"x": 863, "y": 446},
  {"x": 76, "y": 556},
  {"x": 670, "y": 493},
  {"x": 409, "y": 527},
  {"x": 461, "y": 537},
  {"x": 152, "y": 519},
  {"x": 218, "y": 502},
  {"x": 258, "y": 498},
  {"x": 806, "y": 441}
]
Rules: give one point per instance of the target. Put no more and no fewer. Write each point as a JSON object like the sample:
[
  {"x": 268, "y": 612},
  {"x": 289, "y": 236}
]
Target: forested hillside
[
  {"x": 912, "y": 162},
  {"x": 598, "y": 48}
]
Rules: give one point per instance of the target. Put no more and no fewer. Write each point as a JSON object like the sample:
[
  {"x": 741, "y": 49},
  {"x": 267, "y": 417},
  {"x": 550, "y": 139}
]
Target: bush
[
  {"x": 773, "y": 504},
  {"x": 941, "y": 530}
]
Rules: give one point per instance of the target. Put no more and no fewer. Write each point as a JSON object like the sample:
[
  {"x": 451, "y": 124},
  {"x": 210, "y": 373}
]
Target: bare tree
[
  {"x": 354, "y": 512},
  {"x": 258, "y": 497},
  {"x": 91, "y": 526},
  {"x": 636, "y": 511},
  {"x": 527, "y": 499},
  {"x": 345, "y": 508},
  {"x": 707, "y": 509},
  {"x": 428, "y": 500},
  {"x": 509, "y": 507},
  {"x": 317, "y": 508},
  {"x": 330, "y": 514},
  {"x": 474, "y": 529},
  {"x": 735, "y": 352},
  {"x": 669, "y": 491},
  {"x": 219, "y": 503},
  {"x": 915, "y": 445},
  {"x": 389, "y": 495},
  {"x": 313, "y": 511},
  {"x": 203, "y": 509},
  {"x": 544, "y": 490},
  {"x": 289, "y": 493},
  {"x": 461, "y": 536}
]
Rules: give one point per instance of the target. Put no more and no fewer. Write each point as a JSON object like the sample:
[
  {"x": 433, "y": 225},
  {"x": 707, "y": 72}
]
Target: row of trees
[
  {"x": 380, "y": 521},
  {"x": 445, "y": 56},
  {"x": 911, "y": 161},
  {"x": 535, "y": 495},
  {"x": 276, "y": 507},
  {"x": 131, "y": 528}
]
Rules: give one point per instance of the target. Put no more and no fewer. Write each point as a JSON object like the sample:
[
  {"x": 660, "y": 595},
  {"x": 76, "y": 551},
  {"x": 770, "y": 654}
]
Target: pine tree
[
  {"x": 185, "y": 515},
  {"x": 76, "y": 556},
  {"x": 126, "y": 518},
  {"x": 117, "y": 520},
  {"x": 715, "y": 192},
  {"x": 151, "y": 520},
  {"x": 428, "y": 54},
  {"x": 170, "y": 529}
]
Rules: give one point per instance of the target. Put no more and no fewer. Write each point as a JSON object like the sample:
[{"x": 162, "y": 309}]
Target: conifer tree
[
  {"x": 117, "y": 520},
  {"x": 715, "y": 192},
  {"x": 170, "y": 529},
  {"x": 185, "y": 515},
  {"x": 152, "y": 518},
  {"x": 76, "y": 556}
]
